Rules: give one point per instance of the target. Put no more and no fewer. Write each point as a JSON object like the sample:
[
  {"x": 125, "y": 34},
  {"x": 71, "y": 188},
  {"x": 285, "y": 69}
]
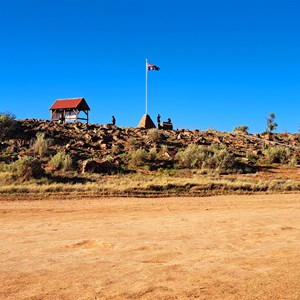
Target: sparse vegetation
[
  {"x": 151, "y": 185},
  {"x": 174, "y": 157}
]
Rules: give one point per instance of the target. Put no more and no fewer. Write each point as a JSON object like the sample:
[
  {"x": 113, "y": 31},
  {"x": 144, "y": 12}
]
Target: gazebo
[{"x": 67, "y": 110}]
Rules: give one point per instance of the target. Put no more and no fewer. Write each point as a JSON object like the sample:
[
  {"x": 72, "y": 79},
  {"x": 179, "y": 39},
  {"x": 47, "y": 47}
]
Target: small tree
[
  {"x": 271, "y": 124},
  {"x": 7, "y": 124}
]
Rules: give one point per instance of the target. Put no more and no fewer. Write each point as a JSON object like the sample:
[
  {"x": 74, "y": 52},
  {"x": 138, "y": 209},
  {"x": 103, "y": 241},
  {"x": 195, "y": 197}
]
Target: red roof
[{"x": 70, "y": 103}]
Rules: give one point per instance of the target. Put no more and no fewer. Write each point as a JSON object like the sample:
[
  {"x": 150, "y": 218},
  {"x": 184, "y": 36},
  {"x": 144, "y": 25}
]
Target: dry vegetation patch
[{"x": 181, "y": 183}]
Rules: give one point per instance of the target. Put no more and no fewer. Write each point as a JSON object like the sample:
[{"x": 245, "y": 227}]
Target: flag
[{"x": 151, "y": 67}]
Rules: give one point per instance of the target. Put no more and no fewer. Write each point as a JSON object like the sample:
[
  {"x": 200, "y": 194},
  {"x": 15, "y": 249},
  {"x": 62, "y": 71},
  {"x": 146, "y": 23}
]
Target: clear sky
[{"x": 223, "y": 63}]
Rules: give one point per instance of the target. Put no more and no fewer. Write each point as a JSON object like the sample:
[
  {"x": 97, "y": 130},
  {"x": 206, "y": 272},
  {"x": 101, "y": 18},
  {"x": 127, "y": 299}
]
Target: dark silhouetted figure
[
  {"x": 169, "y": 120},
  {"x": 158, "y": 120},
  {"x": 113, "y": 120}
]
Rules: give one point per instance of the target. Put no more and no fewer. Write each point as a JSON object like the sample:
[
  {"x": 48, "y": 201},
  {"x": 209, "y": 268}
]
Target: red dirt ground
[{"x": 225, "y": 247}]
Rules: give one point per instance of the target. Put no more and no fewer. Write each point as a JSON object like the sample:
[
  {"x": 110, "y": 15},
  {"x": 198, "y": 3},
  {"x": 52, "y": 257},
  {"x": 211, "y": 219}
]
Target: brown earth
[{"x": 226, "y": 247}]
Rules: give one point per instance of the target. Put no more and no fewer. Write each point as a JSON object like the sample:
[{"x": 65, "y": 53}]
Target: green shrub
[
  {"x": 7, "y": 124},
  {"x": 153, "y": 154},
  {"x": 27, "y": 167},
  {"x": 191, "y": 157},
  {"x": 294, "y": 160},
  {"x": 214, "y": 157},
  {"x": 61, "y": 161},
  {"x": 241, "y": 128},
  {"x": 115, "y": 149},
  {"x": 108, "y": 158},
  {"x": 163, "y": 152},
  {"x": 132, "y": 143},
  {"x": 154, "y": 135},
  {"x": 138, "y": 157},
  {"x": 219, "y": 159},
  {"x": 252, "y": 157},
  {"x": 278, "y": 154},
  {"x": 41, "y": 144}
]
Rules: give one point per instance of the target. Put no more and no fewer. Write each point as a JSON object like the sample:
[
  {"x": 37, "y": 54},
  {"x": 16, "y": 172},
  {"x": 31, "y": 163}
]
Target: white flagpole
[{"x": 146, "y": 86}]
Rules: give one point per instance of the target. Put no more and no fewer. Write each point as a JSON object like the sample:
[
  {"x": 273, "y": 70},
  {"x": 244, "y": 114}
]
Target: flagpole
[{"x": 146, "y": 86}]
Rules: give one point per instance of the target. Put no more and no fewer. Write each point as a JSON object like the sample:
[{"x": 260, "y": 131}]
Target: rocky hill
[{"x": 107, "y": 148}]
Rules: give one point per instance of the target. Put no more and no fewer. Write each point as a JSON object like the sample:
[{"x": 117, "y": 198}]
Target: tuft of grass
[
  {"x": 153, "y": 155},
  {"x": 41, "y": 144}
]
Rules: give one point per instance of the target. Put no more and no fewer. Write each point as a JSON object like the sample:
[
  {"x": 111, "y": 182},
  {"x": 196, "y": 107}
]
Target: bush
[
  {"x": 27, "y": 168},
  {"x": 219, "y": 159},
  {"x": 163, "y": 152},
  {"x": 241, "y": 128},
  {"x": 154, "y": 135},
  {"x": 214, "y": 157},
  {"x": 252, "y": 157},
  {"x": 40, "y": 146},
  {"x": 294, "y": 161},
  {"x": 132, "y": 143},
  {"x": 153, "y": 154},
  {"x": 7, "y": 124},
  {"x": 61, "y": 161},
  {"x": 278, "y": 154},
  {"x": 138, "y": 157},
  {"x": 192, "y": 157}
]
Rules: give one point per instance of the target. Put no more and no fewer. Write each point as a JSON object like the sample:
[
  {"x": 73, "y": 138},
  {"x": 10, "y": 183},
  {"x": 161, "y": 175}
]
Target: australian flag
[{"x": 151, "y": 67}]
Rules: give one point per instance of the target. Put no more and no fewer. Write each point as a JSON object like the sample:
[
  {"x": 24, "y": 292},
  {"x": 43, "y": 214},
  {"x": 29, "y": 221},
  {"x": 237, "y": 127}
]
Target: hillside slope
[{"x": 86, "y": 142}]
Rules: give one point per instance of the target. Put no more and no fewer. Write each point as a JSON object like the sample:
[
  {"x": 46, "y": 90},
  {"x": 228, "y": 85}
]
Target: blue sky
[{"x": 223, "y": 63}]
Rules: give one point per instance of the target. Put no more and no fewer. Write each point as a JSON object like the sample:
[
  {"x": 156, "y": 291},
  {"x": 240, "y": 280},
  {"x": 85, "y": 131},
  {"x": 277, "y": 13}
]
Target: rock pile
[{"x": 103, "y": 148}]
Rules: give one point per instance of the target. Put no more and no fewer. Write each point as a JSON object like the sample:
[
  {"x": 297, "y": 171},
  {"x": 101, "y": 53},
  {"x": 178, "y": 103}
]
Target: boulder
[{"x": 93, "y": 166}]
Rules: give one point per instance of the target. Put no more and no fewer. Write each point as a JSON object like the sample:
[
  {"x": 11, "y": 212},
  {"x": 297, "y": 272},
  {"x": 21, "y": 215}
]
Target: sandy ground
[{"x": 226, "y": 247}]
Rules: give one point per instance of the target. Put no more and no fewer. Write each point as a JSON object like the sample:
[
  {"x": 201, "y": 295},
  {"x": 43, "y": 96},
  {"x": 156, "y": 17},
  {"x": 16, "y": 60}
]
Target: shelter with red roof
[{"x": 68, "y": 110}]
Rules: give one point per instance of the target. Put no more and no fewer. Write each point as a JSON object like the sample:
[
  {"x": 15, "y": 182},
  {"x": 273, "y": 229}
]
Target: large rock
[{"x": 93, "y": 166}]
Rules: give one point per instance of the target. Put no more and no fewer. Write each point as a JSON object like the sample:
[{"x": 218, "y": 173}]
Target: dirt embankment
[{"x": 226, "y": 247}]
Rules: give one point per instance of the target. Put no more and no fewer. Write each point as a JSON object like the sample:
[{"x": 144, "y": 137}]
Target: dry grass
[{"x": 148, "y": 185}]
